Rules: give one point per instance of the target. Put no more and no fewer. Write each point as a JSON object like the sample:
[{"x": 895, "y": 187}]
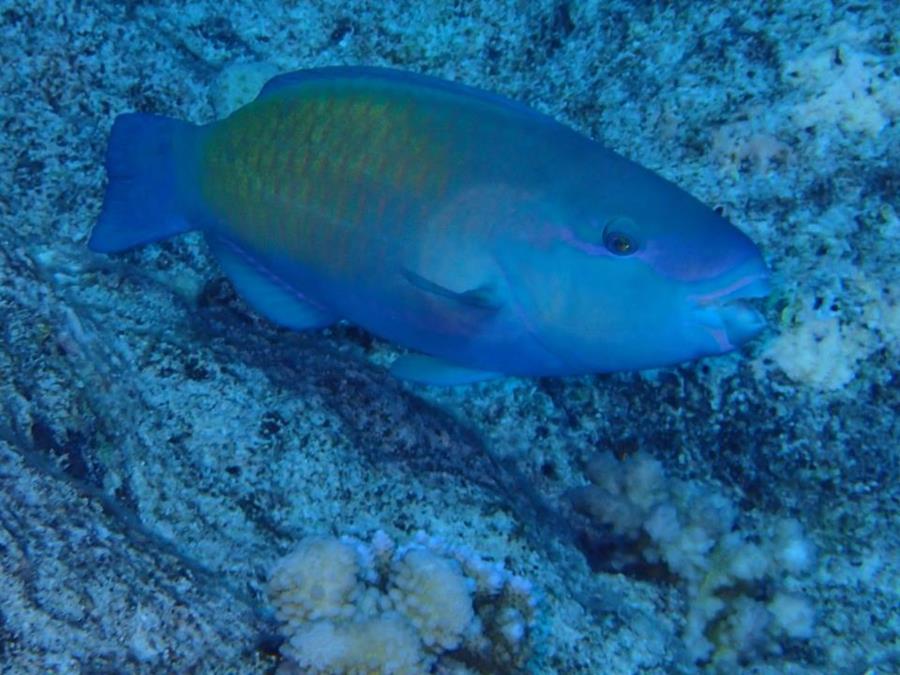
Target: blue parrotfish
[{"x": 483, "y": 236}]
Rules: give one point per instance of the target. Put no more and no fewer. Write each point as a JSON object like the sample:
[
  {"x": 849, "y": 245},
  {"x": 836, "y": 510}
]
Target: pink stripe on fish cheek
[
  {"x": 648, "y": 255},
  {"x": 568, "y": 236},
  {"x": 708, "y": 298}
]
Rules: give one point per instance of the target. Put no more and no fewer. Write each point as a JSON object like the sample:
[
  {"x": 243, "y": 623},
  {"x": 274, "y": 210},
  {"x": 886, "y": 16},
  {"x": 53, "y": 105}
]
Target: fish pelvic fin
[
  {"x": 426, "y": 369},
  {"x": 146, "y": 161}
]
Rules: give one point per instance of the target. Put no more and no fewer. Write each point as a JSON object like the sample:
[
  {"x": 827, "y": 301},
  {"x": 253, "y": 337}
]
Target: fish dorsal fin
[
  {"x": 484, "y": 296},
  {"x": 399, "y": 79},
  {"x": 266, "y": 292}
]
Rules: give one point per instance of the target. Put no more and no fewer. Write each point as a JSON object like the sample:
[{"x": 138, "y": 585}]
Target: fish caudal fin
[{"x": 143, "y": 200}]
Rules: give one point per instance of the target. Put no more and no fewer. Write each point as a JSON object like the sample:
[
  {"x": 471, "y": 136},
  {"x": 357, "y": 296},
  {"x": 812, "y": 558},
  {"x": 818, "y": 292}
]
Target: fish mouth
[{"x": 732, "y": 314}]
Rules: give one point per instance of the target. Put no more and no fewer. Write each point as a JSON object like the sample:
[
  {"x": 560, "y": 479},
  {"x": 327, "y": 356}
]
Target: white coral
[
  {"x": 386, "y": 644},
  {"x": 844, "y": 85},
  {"x": 320, "y": 579},
  {"x": 357, "y": 608},
  {"x": 691, "y": 530},
  {"x": 433, "y": 594}
]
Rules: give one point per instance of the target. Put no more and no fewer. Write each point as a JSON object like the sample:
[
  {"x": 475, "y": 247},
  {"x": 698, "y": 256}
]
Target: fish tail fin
[{"x": 144, "y": 198}]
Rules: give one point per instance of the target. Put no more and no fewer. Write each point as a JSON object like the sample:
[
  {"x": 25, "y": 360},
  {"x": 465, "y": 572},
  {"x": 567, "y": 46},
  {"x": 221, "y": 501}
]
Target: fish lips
[{"x": 732, "y": 314}]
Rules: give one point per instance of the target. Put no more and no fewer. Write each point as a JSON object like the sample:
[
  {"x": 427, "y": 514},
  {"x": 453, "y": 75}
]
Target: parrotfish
[{"x": 480, "y": 234}]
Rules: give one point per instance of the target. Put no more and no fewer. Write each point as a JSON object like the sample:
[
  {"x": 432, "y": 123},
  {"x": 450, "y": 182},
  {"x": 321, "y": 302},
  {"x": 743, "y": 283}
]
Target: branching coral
[
  {"x": 738, "y": 603},
  {"x": 348, "y": 606}
]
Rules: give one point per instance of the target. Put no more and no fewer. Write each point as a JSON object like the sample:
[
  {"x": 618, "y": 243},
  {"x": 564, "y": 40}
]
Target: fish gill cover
[{"x": 163, "y": 445}]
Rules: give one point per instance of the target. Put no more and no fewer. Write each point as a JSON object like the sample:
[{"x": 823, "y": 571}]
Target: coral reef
[
  {"x": 736, "y": 581},
  {"x": 238, "y": 84},
  {"x": 352, "y": 607},
  {"x": 845, "y": 85}
]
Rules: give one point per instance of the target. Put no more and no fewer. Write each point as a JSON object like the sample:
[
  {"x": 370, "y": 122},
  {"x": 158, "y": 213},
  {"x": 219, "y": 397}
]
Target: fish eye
[{"x": 616, "y": 240}]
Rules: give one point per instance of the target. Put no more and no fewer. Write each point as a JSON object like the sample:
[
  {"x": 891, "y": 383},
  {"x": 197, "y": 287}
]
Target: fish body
[{"x": 472, "y": 229}]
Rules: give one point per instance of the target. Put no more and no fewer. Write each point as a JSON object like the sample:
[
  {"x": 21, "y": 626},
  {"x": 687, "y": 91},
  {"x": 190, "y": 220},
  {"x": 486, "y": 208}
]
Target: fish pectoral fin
[
  {"x": 266, "y": 292},
  {"x": 482, "y": 297},
  {"x": 431, "y": 370}
]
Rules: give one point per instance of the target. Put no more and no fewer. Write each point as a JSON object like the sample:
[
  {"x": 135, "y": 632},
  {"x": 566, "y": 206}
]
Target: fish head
[{"x": 638, "y": 286}]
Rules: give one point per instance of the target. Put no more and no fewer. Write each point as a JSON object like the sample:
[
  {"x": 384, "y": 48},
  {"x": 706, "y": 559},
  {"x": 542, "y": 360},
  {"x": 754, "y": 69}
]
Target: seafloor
[{"x": 161, "y": 446}]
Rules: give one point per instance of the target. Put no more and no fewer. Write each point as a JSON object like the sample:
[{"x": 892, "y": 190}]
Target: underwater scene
[{"x": 449, "y": 337}]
